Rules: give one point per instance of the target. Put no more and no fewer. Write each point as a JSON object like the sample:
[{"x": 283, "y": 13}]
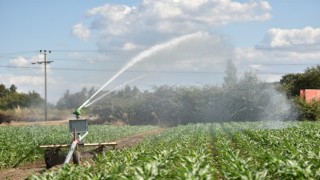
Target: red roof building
[{"x": 310, "y": 94}]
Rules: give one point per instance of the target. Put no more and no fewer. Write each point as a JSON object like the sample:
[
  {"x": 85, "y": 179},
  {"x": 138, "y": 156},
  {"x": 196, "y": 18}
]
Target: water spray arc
[
  {"x": 118, "y": 87},
  {"x": 141, "y": 56}
]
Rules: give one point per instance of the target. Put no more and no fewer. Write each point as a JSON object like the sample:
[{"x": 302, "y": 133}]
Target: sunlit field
[
  {"x": 20, "y": 144},
  {"x": 250, "y": 150}
]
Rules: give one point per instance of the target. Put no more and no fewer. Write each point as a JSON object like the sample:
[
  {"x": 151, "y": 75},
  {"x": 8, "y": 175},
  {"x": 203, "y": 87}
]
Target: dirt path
[
  {"x": 37, "y": 167},
  {"x": 14, "y": 123},
  {"x": 23, "y": 171},
  {"x": 136, "y": 138}
]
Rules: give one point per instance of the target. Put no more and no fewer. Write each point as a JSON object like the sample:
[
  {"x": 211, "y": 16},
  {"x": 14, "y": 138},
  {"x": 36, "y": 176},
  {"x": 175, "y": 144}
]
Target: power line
[
  {"x": 244, "y": 63},
  {"x": 57, "y": 50},
  {"x": 237, "y": 64},
  {"x": 58, "y": 59},
  {"x": 296, "y": 48},
  {"x": 279, "y": 64},
  {"x": 140, "y": 71},
  {"x": 45, "y": 62},
  {"x": 78, "y": 50},
  {"x": 293, "y": 48},
  {"x": 235, "y": 50},
  {"x": 18, "y": 52}
]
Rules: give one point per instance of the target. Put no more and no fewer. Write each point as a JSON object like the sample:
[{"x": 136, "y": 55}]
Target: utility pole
[{"x": 45, "y": 62}]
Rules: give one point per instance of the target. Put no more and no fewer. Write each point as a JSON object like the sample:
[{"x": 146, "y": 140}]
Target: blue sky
[{"x": 92, "y": 40}]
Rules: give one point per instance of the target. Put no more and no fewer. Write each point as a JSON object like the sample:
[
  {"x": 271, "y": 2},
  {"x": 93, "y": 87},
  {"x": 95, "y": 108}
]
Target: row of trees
[
  {"x": 10, "y": 98},
  {"x": 246, "y": 100},
  {"x": 238, "y": 99},
  {"x": 69, "y": 101},
  {"x": 309, "y": 79},
  {"x": 292, "y": 83},
  {"x": 243, "y": 99}
]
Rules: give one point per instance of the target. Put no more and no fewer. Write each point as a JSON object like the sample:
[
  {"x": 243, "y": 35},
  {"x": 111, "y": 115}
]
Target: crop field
[
  {"x": 20, "y": 144},
  {"x": 246, "y": 150}
]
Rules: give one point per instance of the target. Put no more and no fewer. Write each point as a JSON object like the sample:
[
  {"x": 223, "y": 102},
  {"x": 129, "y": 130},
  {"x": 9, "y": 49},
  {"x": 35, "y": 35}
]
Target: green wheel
[
  {"x": 76, "y": 157},
  {"x": 52, "y": 157}
]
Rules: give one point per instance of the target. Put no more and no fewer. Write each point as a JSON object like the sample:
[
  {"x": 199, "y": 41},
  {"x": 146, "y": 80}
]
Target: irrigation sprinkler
[
  {"x": 118, "y": 87},
  {"x": 79, "y": 130},
  {"x": 79, "y": 127}
]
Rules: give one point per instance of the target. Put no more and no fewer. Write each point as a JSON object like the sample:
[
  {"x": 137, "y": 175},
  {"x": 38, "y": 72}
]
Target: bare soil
[
  {"x": 37, "y": 167},
  {"x": 135, "y": 139}
]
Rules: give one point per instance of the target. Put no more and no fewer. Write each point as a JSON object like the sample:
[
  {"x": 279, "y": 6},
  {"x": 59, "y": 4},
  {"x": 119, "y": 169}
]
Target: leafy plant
[
  {"x": 247, "y": 150},
  {"x": 21, "y": 144}
]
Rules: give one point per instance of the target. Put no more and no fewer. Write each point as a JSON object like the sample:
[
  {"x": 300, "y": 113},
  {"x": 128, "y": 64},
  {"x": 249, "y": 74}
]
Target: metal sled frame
[{"x": 79, "y": 130}]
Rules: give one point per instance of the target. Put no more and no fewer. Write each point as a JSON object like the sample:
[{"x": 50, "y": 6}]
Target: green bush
[{"x": 308, "y": 111}]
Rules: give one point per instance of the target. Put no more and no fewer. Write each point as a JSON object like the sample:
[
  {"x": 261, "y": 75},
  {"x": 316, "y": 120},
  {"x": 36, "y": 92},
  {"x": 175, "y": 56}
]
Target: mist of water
[
  {"x": 147, "y": 53},
  {"x": 118, "y": 87},
  {"x": 279, "y": 110},
  {"x": 251, "y": 101}
]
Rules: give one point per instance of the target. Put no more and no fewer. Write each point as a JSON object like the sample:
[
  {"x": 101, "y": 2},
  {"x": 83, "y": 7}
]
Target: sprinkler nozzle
[{"x": 77, "y": 112}]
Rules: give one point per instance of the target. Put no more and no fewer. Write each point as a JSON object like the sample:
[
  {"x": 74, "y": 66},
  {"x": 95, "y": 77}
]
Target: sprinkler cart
[{"x": 79, "y": 130}]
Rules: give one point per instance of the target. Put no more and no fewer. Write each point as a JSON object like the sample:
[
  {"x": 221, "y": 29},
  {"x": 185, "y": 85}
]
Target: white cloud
[
  {"x": 24, "y": 83},
  {"x": 202, "y": 53},
  {"x": 152, "y": 20},
  {"x": 214, "y": 12},
  {"x": 288, "y": 38},
  {"x": 19, "y": 62},
  {"x": 81, "y": 31},
  {"x": 26, "y": 80},
  {"x": 128, "y": 46},
  {"x": 27, "y": 83},
  {"x": 255, "y": 66},
  {"x": 38, "y": 66},
  {"x": 37, "y": 58},
  {"x": 162, "y": 9},
  {"x": 111, "y": 12},
  {"x": 22, "y": 62},
  {"x": 253, "y": 55},
  {"x": 272, "y": 65},
  {"x": 271, "y": 77},
  {"x": 281, "y": 51},
  {"x": 111, "y": 19}
]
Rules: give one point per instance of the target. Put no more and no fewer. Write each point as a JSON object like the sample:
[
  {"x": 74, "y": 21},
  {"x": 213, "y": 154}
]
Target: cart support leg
[{"x": 72, "y": 148}]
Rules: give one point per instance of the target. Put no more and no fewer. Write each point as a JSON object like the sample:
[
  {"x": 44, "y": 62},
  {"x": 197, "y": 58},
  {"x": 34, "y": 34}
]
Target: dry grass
[{"x": 33, "y": 114}]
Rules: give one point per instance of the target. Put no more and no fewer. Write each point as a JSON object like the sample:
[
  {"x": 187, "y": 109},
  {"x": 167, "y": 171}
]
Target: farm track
[
  {"x": 136, "y": 138},
  {"x": 23, "y": 171},
  {"x": 37, "y": 167}
]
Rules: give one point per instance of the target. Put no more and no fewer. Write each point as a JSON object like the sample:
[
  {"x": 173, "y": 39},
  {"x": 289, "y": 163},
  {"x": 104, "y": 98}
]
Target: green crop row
[
  {"x": 247, "y": 150},
  {"x": 211, "y": 151},
  {"x": 182, "y": 152},
  {"x": 21, "y": 144},
  {"x": 288, "y": 153}
]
